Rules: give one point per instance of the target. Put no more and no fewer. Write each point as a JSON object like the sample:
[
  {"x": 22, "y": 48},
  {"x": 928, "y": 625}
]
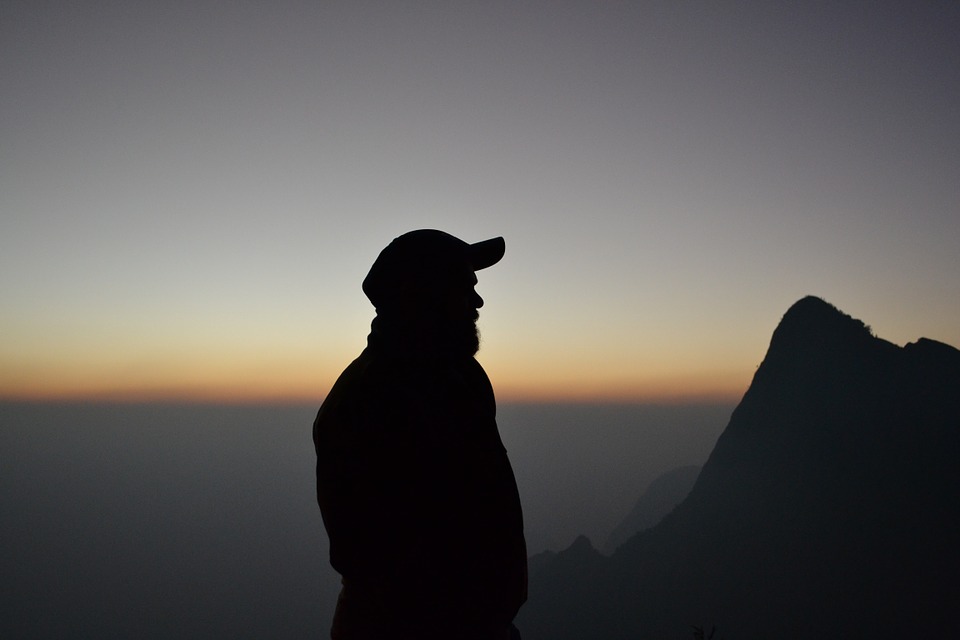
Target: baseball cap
[{"x": 426, "y": 257}]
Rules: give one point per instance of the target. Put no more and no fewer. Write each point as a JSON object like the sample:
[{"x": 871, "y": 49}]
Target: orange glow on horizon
[
  {"x": 304, "y": 390},
  {"x": 663, "y": 391},
  {"x": 225, "y": 376}
]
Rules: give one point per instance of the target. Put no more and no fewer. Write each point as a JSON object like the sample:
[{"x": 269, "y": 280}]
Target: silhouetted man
[{"x": 414, "y": 485}]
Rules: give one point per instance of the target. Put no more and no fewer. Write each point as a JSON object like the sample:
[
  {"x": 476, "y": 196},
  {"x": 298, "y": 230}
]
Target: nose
[{"x": 476, "y": 300}]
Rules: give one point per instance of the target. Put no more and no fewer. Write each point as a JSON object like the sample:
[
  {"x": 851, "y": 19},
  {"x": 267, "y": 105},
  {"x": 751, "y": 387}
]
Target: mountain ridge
[{"x": 663, "y": 494}]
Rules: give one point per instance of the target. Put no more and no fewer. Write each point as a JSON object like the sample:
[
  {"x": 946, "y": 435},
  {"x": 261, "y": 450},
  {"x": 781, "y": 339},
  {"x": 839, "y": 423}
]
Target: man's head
[{"x": 425, "y": 280}]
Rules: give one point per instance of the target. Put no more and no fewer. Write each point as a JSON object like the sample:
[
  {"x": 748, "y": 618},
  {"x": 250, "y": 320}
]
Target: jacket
[{"x": 417, "y": 494}]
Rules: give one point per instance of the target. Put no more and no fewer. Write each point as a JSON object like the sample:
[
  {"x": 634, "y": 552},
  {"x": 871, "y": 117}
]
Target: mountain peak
[
  {"x": 933, "y": 349},
  {"x": 814, "y": 328},
  {"x": 580, "y": 547},
  {"x": 814, "y": 316}
]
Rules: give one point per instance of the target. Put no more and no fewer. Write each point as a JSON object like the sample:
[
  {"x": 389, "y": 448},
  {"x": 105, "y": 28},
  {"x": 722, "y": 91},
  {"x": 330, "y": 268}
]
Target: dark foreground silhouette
[
  {"x": 414, "y": 485},
  {"x": 829, "y": 508}
]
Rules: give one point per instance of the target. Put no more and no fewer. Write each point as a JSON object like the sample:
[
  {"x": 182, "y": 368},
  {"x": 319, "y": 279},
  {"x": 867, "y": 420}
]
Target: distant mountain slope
[
  {"x": 664, "y": 493},
  {"x": 829, "y": 508}
]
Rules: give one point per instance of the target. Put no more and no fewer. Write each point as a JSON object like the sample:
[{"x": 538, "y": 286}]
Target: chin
[
  {"x": 468, "y": 343},
  {"x": 460, "y": 339}
]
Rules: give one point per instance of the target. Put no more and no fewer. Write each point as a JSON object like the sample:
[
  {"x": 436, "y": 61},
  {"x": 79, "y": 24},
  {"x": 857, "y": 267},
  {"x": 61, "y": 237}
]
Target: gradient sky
[{"x": 191, "y": 192}]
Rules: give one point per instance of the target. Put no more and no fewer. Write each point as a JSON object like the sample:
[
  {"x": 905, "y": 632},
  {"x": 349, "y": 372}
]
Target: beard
[
  {"x": 471, "y": 342},
  {"x": 463, "y": 338},
  {"x": 435, "y": 331}
]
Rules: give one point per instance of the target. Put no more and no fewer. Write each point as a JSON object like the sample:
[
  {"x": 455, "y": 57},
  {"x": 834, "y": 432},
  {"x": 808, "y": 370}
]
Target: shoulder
[
  {"x": 477, "y": 377},
  {"x": 368, "y": 394},
  {"x": 368, "y": 375}
]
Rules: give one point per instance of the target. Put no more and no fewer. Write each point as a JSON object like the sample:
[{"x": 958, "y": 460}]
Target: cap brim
[{"x": 486, "y": 253}]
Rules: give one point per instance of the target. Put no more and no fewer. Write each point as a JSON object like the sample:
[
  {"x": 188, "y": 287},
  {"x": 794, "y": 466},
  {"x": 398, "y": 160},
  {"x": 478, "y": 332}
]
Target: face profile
[{"x": 459, "y": 314}]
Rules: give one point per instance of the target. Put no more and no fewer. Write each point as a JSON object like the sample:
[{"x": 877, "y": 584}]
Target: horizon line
[{"x": 146, "y": 397}]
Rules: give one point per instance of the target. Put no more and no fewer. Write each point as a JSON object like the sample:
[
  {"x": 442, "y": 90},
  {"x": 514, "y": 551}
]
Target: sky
[{"x": 192, "y": 192}]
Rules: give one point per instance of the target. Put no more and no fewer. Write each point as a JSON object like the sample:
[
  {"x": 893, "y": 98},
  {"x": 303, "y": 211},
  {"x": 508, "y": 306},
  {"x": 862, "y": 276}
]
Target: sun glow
[{"x": 307, "y": 378}]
